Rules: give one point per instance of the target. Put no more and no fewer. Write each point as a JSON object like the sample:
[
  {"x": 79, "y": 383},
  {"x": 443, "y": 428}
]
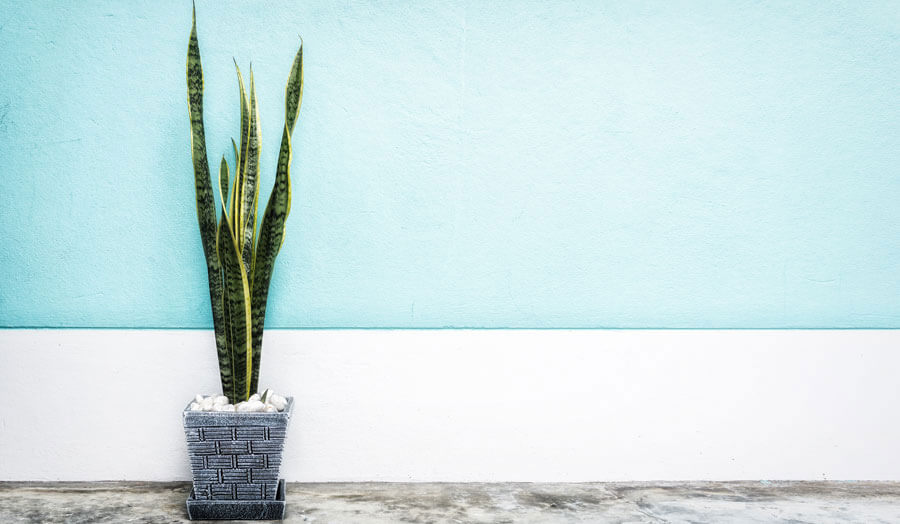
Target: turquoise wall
[{"x": 466, "y": 163}]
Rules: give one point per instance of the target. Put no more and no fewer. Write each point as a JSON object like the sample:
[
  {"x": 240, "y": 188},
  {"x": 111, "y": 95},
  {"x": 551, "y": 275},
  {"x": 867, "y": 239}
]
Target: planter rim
[{"x": 286, "y": 413}]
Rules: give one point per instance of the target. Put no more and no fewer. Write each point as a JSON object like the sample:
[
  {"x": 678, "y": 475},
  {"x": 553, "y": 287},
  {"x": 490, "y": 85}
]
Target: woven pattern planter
[{"x": 236, "y": 456}]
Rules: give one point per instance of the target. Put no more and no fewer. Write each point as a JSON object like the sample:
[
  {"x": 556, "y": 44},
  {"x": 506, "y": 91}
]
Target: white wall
[{"x": 429, "y": 405}]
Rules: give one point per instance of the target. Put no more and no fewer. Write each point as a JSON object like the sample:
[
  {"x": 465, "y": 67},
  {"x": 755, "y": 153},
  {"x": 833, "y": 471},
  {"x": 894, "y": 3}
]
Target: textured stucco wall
[{"x": 466, "y": 163}]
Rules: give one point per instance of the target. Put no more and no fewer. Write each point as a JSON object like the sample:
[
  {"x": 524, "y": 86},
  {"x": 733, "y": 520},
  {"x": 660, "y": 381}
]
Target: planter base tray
[{"x": 237, "y": 509}]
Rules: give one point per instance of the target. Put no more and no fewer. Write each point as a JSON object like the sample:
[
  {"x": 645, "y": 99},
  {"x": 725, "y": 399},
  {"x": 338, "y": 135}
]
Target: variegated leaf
[
  {"x": 240, "y": 170},
  {"x": 293, "y": 93},
  {"x": 206, "y": 209},
  {"x": 236, "y": 296},
  {"x": 223, "y": 181},
  {"x": 250, "y": 181},
  {"x": 271, "y": 232}
]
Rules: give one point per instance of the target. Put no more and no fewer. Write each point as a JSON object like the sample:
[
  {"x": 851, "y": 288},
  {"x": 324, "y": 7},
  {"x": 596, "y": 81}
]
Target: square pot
[{"x": 235, "y": 457}]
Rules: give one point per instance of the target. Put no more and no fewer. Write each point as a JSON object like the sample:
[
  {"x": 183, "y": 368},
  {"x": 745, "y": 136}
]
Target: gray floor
[{"x": 794, "y": 502}]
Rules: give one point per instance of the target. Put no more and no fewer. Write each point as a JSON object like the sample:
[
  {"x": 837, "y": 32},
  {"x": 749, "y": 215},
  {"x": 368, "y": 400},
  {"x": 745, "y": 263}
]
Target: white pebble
[
  {"x": 250, "y": 406},
  {"x": 253, "y": 405},
  {"x": 278, "y": 401},
  {"x": 254, "y": 396}
]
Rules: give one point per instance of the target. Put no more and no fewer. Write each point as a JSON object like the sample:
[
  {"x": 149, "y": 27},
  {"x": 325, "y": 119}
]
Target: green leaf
[
  {"x": 293, "y": 93},
  {"x": 271, "y": 231},
  {"x": 271, "y": 234},
  {"x": 226, "y": 355},
  {"x": 206, "y": 209},
  {"x": 223, "y": 181},
  {"x": 237, "y": 156},
  {"x": 250, "y": 180},
  {"x": 236, "y": 296},
  {"x": 240, "y": 170}
]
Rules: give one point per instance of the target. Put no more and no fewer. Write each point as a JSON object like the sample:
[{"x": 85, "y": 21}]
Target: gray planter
[{"x": 235, "y": 459}]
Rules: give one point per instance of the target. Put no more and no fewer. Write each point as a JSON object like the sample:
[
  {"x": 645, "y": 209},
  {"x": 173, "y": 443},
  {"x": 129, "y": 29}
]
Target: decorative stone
[
  {"x": 278, "y": 401},
  {"x": 249, "y": 406},
  {"x": 256, "y": 403}
]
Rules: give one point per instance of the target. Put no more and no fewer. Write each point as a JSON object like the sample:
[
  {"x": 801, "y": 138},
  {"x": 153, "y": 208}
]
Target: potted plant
[{"x": 235, "y": 440}]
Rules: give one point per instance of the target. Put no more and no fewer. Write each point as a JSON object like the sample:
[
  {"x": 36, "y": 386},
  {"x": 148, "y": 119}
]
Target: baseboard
[{"x": 469, "y": 405}]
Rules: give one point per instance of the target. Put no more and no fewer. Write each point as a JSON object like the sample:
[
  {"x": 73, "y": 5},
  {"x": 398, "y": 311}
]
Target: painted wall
[
  {"x": 464, "y": 163},
  {"x": 472, "y": 405}
]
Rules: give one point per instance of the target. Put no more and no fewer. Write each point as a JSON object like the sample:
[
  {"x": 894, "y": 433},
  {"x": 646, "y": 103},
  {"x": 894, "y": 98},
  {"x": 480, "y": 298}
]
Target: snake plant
[{"x": 240, "y": 259}]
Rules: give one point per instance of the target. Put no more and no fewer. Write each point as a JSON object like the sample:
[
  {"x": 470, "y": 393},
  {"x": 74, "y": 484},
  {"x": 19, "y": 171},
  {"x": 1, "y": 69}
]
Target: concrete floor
[{"x": 364, "y": 503}]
